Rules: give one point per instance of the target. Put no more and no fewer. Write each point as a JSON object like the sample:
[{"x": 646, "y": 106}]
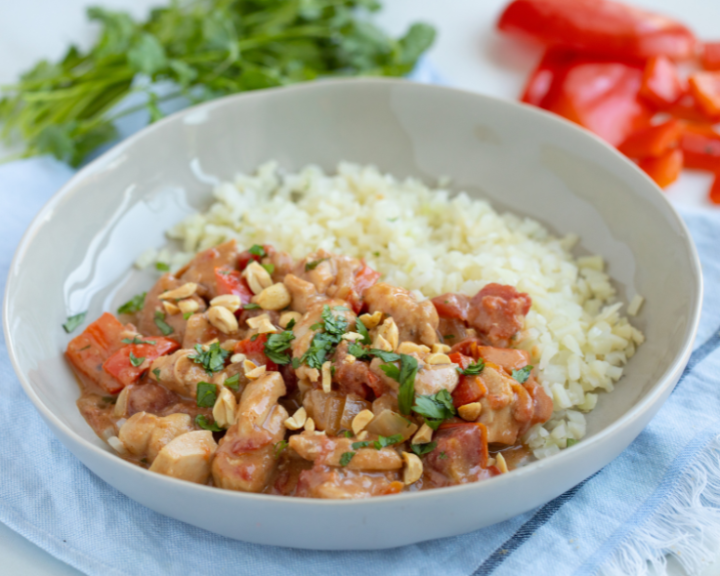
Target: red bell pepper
[
  {"x": 715, "y": 190},
  {"x": 600, "y": 27},
  {"x": 701, "y": 146},
  {"x": 245, "y": 257},
  {"x": 451, "y": 305},
  {"x": 664, "y": 169},
  {"x": 710, "y": 56},
  {"x": 688, "y": 108},
  {"x": 660, "y": 84},
  {"x": 255, "y": 352},
  {"x": 705, "y": 87},
  {"x": 120, "y": 366},
  {"x": 549, "y": 71},
  {"x": 652, "y": 141},
  {"x": 229, "y": 281},
  {"x": 364, "y": 278}
]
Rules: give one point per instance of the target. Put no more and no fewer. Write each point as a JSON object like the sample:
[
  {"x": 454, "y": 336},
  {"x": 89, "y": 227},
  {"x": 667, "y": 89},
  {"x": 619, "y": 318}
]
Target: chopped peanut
[
  {"x": 441, "y": 349},
  {"x": 297, "y": 420},
  {"x": 188, "y": 306},
  {"x": 222, "y": 319},
  {"x": 310, "y": 425},
  {"x": 438, "y": 359},
  {"x": 224, "y": 409},
  {"x": 363, "y": 435},
  {"x": 184, "y": 291},
  {"x": 121, "y": 404},
  {"x": 237, "y": 358},
  {"x": 230, "y": 301},
  {"x": 413, "y": 468},
  {"x": 501, "y": 464},
  {"x": 381, "y": 344},
  {"x": 248, "y": 365},
  {"x": 256, "y": 372},
  {"x": 327, "y": 377},
  {"x": 285, "y": 318},
  {"x": 275, "y": 297},
  {"x": 371, "y": 321},
  {"x": 388, "y": 330},
  {"x": 257, "y": 277},
  {"x": 470, "y": 412},
  {"x": 361, "y": 420},
  {"x": 423, "y": 436},
  {"x": 170, "y": 308},
  {"x": 117, "y": 445},
  {"x": 412, "y": 348},
  {"x": 352, "y": 336},
  {"x": 349, "y": 359},
  {"x": 262, "y": 324}
]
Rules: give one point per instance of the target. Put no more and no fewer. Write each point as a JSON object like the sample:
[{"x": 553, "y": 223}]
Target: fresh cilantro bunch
[{"x": 206, "y": 49}]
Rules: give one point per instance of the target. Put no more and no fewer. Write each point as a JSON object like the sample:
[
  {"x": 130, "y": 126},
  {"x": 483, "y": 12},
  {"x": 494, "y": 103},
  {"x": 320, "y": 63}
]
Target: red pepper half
[
  {"x": 600, "y": 27},
  {"x": 652, "y": 141},
  {"x": 664, "y": 169}
]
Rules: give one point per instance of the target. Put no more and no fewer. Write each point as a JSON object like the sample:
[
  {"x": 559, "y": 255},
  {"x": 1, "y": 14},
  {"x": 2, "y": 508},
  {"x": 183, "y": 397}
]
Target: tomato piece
[
  {"x": 715, "y": 191},
  {"x": 701, "y": 146},
  {"x": 452, "y": 306},
  {"x": 660, "y": 83},
  {"x": 652, "y": 141},
  {"x": 705, "y": 87},
  {"x": 600, "y": 27},
  {"x": 88, "y": 351},
  {"x": 461, "y": 359},
  {"x": 121, "y": 368},
  {"x": 664, "y": 169},
  {"x": 245, "y": 257},
  {"x": 229, "y": 281},
  {"x": 255, "y": 351},
  {"x": 549, "y": 70},
  {"x": 469, "y": 389},
  {"x": 710, "y": 56},
  {"x": 364, "y": 278}
]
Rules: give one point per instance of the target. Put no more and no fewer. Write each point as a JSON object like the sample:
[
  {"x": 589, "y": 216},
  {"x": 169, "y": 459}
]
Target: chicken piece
[
  {"x": 303, "y": 293},
  {"x": 331, "y": 274},
  {"x": 508, "y": 359},
  {"x": 187, "y": 457},
  {"x": 179, "y": 373},
  {"x": 144, "y": 434},
  {"x": 328, "y": 451},
  {"x": 431, "y": 378},
  {"x": 199, "y": 330},
  {"x": 416, "y": 321},
  {"x": 498, "y": 312},
  {"x": 460, "y": 456},
  {"x": 153, "y": 304},
  {"x": 245, "y": 459},
  {"x": 149, "y": 397},
  {"x": 354, "y": 377},
  {"x": 338, "y": 483},
  {"x": 201, "y": 269},
  {"x": 498, "y": 407}
]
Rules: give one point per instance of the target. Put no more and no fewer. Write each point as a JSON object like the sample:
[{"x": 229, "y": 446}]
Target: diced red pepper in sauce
[
  {"x": 452, "y": 306},
  {"x": 461, "y": 454},
  {"x": 120, "y": 367},
  {"x": 705, "y": 88},
  {"x": 653, "y": 141},
  {"x": 600, "y": 27},
  {"x": 701, "y": 147},
  {"x": 255, "y": 352},
  {"x": 229, "y": 281},
  {"x": 661, "y": 84},
  {"x": 88, "y": 351},
  {"x": 665, "y": 169},
  {"x": 364, "y": 278},
  {"x": 710, "y": 56}
]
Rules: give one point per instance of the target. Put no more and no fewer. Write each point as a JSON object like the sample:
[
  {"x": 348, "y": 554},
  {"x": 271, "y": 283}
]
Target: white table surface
[{"x": 467, "y": 52}]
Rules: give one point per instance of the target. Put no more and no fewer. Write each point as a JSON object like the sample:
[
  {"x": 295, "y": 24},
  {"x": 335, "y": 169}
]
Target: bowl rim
[{"x": 627, "y": 420}]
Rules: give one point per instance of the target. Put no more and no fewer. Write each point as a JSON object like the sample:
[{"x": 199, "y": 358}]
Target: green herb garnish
[
  {"x": 346, "y": 457},
  {"x": 323, "y": 343},
  {"x": 136, "y": 362},
  {"x": 162, "y": 267},
  {"x": 523, "y": 374},
  {"x": 137, "y": 340},
  {"x": 186, "y": 315},
  {"x": 254, "y": 337},
  {"x": 347, "y": 434},
  {"x": 277, "y": 346},
  {"x": 156, "y": 371},
  {"x": 314, "y": 264},
  {"x": 206, "y": 394},
  {"x": 109, "y": 399},
  {"x": 135, "y": 304},
  {"x": 473, "y": 369},
  {"x": 251, "y": 306},
  {"x": 422, "y": 449},
  {"x": 257, "y": 250},
  {"x": 233, "y": 382},
  {"x": 442, "y": 456},
  {"x": 279, "y": 447},
  {"x": 380, "y": 443},
  {"x": 363, "y": 331},
  {"x": 201, "y": 421},
  {"x": 212, "y": 359},
  {"x": 163, "y": 326},
  {"x": 270, "y": 268},
  {"x": 290, "y": 325},
  {"x": 405, "y": 376},
  {"x": 435, "y": 408},
  {"x": 571, "y": 442},
  {"x": 74, "y": 321}
]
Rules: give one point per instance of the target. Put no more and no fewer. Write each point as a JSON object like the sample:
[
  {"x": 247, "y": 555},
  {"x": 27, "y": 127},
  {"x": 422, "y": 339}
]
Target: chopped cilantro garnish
[
  {"x": 358, "y": 351},
  {"x": 296, "y": 363},
  {"x": 448, "y": 336},
  {"x": 523, "y": 374},
  {"x": 277, "y": 346},
  {"x": 136, "y": 361},
  {"x": 186, "y": 315},
  {"x": 206, "y": 394},
  {"x": 290, "y": 325},
  {"x": 422, "y": 449},
  {"x": 212, "y": 359},
  {"x": 133, "y": 305},
  {"x": 435, "y": 408},
  {"x": 201, "y": 421},
  {"x": 323, "y": 343},
  {"x": 251, "y": 306},
  {"x": 314, "y": 264},
  {"x": 334, "y": 325},
  {"x": 137, "y": 340},
  {"x": 163, "y": 326},
  {"x": 346, "y": 457},
  {"x": 341, "y": 309},
  {"x": 269, "y": 267},
  {"x": 109, "y": 399},
  {"x": 233, "y": 382},
  {"x": 571, "y": 442},
  {"x": 162, "y": 267},
  {"x": 73, "y": 322},
  {"x": 257, "y": 250},
  {"x": 347, "y": 434},
  {"x": 405, "y": 376},
  {"x": 473, "y": 369},
  {"x": 279, "y": 447},
  {"x": 385, "y": 356},
  {"x": 380, "y": 443},
  {"x": 254, "y": 337},
  {"x": 363, "y": 331},
  {"x": 156, "y": 371},
  {"x": 376, "y": 253},
  {"x": 442, "y": 456}
]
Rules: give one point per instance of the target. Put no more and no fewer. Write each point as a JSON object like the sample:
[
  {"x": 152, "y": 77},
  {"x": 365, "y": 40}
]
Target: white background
[{"x": 468, "y": 53}]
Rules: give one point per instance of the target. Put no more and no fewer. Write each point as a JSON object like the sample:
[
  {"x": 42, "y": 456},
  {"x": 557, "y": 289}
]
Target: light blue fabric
[{"x": 50, "y": 498}]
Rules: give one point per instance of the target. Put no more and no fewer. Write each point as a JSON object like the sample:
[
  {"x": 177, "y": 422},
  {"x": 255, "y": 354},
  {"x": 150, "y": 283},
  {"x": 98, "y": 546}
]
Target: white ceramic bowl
[{"x": 77, "y": 255}]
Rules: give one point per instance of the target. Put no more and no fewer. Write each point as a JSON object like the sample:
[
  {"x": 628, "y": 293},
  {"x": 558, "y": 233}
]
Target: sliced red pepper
[
  {"x": 688, "y": 108},
  {"x": 245, "y": 257},
  {"x": 470, "y": 389},
  {"x": 600, "y": 27},
  {"x": 664, "y": 169},
  {"x": 255, "y": 352},
  {"x": 452, "y": 306},
  {"x": 652, "y": 141},
  {"x": 661, "y": 84},
  {"x": 550, "y": 69},
  {"x": 705, "y": 87},
  {"x": 715, "y": 190},
  {"x": 229, "y": 281},
  {"x": 461, "y": 360},
  {"x": 364, "y": 278},
  {"x": 88, "y": 351},
  {"x": 701, "y": 146},
  {"x": 120, "y": 367},
  {"x": 710, "y": 56}
]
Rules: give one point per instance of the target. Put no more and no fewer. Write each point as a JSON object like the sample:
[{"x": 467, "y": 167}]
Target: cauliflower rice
[{"x": 431, "y": 242}]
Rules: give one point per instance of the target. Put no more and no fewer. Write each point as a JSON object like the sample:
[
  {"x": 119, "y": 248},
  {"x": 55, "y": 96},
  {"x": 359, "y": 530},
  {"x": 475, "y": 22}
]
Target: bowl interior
[{"x": 78, "y": 253}]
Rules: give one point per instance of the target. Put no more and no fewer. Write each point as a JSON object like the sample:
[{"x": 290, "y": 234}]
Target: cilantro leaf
[
  {"x": 385, "y": 441},
  {"x": 201, "y": 421},
  {"x": 474, "y": 368},
  {"x": 277, "y": 346},
  {"x": 162, "y": 267},
  {"x": 405, "y": 376},
  {"x": 156, "y": 371},
  {"x": 163, "y": 326},
  {"x": 571, "y": 442},
  {"x": 363, "y": 331},
  {"x": 435, "y": 408},
  {"x": 384, "y": 355},
  {"x": 314, "y": 264},
  {"x": 279, "y": 447},
  {"x": 233, "y": 382},
  {"x": 251, "y": 306},
  {"x": 206, "y": 394},
  {"x": 334, "y": 325},
  {"x": 523, "y": 374},
  {"x": 290, "y": 325},
  {"x": 358, "y": 351},
  {"x": 345, "y": 458},
  {"x": 135, "y": 304},
  {"x": 323, "y": 343},
  {"x": 136, "y": 362},
  {"x": 257, "y": 250},
  {"x": 347, "y": 434},
  {"x": 442, "y": 456},
  {"x": 74, "y": 321},
  {"x": 422, "y": 449},
  {"x": 361, "y": 444},
  {"x": 212, "y": 359},
  {"x": 270, "y": 268},
  {"x": 137, "y": 340}
]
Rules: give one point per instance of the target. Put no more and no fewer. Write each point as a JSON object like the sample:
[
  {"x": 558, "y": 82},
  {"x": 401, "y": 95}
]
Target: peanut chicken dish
[{"x": 249, "y": 371}]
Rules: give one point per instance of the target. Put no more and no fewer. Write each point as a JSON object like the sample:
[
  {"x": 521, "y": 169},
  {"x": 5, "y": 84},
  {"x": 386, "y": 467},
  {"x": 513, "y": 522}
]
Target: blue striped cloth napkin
[{"x": 662, "y": 495}]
